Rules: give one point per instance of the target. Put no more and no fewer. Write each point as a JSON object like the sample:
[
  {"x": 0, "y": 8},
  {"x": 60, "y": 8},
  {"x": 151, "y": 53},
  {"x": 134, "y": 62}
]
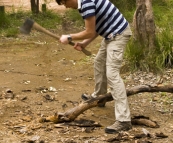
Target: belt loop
[{"x": 110, "y": 37}]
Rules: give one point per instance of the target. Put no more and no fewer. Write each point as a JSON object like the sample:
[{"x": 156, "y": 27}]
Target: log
[
  {"x": 72, "y": 114},
  {"x": 2, "y": 10},
  {"x": 2, "y": 16},
  {"x": 44, "y": 8},
  {"x": 35, "y": 6}
]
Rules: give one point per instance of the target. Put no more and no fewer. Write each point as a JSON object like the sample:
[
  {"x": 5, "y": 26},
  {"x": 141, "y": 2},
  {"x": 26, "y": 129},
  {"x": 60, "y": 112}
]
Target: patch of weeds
[
  {"x": 75, "y": 17},
  {"x": 163, "y": 94},
  {"x": 11, "y": 22},
  {"x": 11, "y": 32},
  {"x": 48, "y": 19},
  {"x": 126, "y": 7},
  {"x": 133, "y": 54},
  {"x": 165, "y": 48},
  {"x": 3, "y": 21},
  {"x": 139, "y": 57},
  {"x": 166, "y": 98}
]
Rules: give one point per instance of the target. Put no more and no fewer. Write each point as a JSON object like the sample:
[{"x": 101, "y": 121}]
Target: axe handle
[{"x": 42, "y": 29}]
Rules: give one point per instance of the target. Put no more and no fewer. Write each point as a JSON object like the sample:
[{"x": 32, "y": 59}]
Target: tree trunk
[
  {"x": 35, "y": 6},
  {"x": 73, "y": 113},
  {"x": 144, "y": 26},
  {"x": 2, "y": 10},
  {"x": 44, "y": 8},
  {"x": 2, "y": 16}
]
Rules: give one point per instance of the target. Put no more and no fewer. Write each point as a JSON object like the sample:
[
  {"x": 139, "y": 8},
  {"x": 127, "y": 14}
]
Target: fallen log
[{"x": 72, "y": 114}]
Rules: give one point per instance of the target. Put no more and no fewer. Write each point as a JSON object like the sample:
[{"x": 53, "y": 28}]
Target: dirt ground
[{"x": 40, "y": 77}]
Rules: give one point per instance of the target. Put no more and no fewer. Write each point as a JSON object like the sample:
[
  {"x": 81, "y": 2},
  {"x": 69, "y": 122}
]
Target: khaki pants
[{"x": 106, "y": 71}]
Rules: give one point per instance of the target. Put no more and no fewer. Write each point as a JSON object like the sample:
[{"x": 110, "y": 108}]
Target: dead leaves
[
  {"x": 143, "y": 137},
  {"x": 139, "y": 137},
  {"x": 88, "y": 126},
  {"x": 82, "y": 123}
]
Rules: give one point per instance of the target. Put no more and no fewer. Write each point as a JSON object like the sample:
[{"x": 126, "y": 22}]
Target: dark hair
[{"x": 59, "y": 2}]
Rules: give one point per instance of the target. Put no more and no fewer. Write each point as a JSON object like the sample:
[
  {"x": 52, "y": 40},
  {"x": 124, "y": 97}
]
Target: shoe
[
  {"x": 86, "y": 97},
  {"x": 118, "y": 126}
]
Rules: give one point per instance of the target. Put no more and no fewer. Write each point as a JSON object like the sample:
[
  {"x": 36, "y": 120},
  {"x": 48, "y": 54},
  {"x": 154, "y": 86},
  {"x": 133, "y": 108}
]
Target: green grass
[
  {"x": 48, "y": 19},
  {"x": 75, "y": 17},
  {"x": 127, "y": 8},
  {"x": 10, "y": 22}
]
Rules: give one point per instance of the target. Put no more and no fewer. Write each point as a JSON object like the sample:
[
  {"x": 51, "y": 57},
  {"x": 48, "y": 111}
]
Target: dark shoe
[
  {"x": 86, "y": 97},
  {"x": 118, "y": 126}
]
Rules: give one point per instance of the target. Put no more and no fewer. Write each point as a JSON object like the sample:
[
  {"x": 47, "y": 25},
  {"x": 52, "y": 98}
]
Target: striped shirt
[{"x": 109, "y": 20}]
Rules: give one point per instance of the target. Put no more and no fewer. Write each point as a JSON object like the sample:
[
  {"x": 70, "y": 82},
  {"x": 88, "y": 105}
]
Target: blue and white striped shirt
[{"x": 109, "y": 20}]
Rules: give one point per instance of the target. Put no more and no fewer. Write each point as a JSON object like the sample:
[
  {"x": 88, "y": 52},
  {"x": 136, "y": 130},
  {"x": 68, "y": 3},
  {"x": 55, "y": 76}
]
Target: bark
[
  {"x": 2, "y": 10},
  {"x": 2, "y": 16},
  {"x": 72, "y": 114},
  {"x": 35, "y": 6},
  {"x": 44, "y": 8},
  {"x": 143, "y": 22}
]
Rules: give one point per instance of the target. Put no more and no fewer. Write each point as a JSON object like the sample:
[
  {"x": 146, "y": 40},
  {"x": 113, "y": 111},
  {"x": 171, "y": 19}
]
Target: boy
[{"x": 102, "y": 18}]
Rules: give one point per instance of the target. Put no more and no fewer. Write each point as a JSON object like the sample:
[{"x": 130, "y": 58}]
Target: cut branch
[{"x": 73, "y": 113}]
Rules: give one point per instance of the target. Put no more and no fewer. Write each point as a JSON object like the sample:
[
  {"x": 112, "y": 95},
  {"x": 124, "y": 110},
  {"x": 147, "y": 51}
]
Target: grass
[
  {"x": 127, "y": 7},
  {"x": 10, "y": 22},
  {"x": 75, "y": 17}
]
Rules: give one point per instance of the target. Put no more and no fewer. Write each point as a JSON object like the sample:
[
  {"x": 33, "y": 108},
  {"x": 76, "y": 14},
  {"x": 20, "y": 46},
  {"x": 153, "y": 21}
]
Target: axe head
[{"x": 26, "y": 27}]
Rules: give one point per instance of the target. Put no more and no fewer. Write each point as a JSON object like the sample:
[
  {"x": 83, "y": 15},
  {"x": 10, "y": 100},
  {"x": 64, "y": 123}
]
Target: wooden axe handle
[{"x": 42, "y": 29}]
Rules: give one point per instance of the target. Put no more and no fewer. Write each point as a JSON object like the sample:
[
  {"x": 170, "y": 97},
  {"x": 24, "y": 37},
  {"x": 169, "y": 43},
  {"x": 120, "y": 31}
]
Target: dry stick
[{"x": 73, "y": 113}]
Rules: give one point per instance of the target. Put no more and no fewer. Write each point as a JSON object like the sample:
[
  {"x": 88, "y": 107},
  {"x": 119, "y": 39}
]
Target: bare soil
[{"x": 46, "y": 77}]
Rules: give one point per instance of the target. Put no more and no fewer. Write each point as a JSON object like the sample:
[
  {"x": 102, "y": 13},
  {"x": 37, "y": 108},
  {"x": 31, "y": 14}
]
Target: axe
[{"x": 29, "y": 24}]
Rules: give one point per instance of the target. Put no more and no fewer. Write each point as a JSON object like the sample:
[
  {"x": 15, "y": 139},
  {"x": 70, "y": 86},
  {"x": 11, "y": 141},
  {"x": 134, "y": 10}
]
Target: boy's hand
[
  {"x": 64, "y": 39},
  {"x": 79, "y": 46}
]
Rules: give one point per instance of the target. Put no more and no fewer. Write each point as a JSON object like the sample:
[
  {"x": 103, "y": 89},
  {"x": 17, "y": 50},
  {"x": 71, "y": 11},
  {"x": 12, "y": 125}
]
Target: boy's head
[
  {"x": 68, "y": 3},
  {"x": 59, "y": 2}
]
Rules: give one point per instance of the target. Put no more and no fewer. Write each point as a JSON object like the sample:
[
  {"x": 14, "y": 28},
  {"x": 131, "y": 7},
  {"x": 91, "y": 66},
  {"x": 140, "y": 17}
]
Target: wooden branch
[
  {"x": 73, "y": 113},
  {"x": 150, "y": 88}
]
